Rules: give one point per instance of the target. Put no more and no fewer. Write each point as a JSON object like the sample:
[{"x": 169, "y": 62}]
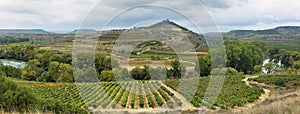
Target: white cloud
[
  {"x": 57, "y": 15},
  {"x": 258, "y": 14}
]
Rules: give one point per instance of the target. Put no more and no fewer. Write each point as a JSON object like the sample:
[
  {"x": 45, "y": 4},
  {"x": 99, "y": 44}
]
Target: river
[{"x": 16, "y": 64}]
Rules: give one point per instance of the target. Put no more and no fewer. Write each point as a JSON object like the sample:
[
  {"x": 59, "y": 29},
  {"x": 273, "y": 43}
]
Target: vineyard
[
  {"x": 234, "y": 92},
  {"x": 111, "y": 95},
  {"x": 279, "y": 80},
  {"x": 145, "y": 94}
]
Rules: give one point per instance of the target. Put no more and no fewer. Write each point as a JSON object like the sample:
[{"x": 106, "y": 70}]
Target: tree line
[{"x": 7, "y": 40}]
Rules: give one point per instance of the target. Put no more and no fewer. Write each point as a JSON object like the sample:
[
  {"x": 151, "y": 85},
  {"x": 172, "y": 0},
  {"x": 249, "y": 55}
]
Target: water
[{"x": 15, "y": 64}]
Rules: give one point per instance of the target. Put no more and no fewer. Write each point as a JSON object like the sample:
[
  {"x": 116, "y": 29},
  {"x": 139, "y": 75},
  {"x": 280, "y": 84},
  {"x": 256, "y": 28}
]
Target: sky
[{"x": 209, "y": 15}]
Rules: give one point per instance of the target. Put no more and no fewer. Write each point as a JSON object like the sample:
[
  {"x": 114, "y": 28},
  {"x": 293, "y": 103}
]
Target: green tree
[
  {"x": 204, "y": 66},
  {"x": 61, "y": 72},
  {"x": 53, "y": 70},
  {"x": 65, "y": 71},
  {"x": 107, "y": 75},
  {"x": 258, "y": 68},
  {"x": 137, "y": 73},
  {"x": 31, "y": 71},
  {"x": 176, "y": 69}
]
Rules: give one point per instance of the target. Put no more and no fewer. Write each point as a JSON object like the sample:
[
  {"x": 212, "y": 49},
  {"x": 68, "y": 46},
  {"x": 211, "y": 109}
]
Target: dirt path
[{"x": 186, "y": 105}]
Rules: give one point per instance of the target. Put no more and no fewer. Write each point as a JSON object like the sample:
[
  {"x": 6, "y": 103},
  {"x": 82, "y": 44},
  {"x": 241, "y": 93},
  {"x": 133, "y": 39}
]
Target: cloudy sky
[{"x": 226, "y": 15}]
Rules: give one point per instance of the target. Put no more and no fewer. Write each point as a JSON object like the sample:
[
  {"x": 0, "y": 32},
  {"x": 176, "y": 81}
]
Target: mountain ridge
[
  {"x": 24, "y": 31},
  {"x": 278, "y": 33}
]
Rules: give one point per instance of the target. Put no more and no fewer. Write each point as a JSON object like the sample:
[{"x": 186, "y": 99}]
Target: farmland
[
  {"x": 110, "y": 95},
  {"x": 134, "y": 95},
  {"x": 234, "y": 92}
]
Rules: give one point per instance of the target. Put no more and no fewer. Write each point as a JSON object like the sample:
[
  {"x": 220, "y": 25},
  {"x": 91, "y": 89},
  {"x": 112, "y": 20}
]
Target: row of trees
[{"x": 177, "y": 70}]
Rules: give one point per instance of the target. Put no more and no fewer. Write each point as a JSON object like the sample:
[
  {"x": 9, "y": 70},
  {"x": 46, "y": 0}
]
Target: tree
[
  {"x": 243, "y": 56},
  {"x": 107, "y": 75},
  {"x": 53, "y": 70},
  {"x": 204, "y": 66},
  {"x": 176, "y": 69},
  {"x": 61, "y": 72},
  {"x": 258, "y": 68},
  {"x": 137, "y": 73},
  {"x": 46, "y": 77},
  {"x": 65, "y": 71},
  {"x": 31, "y": 71}
]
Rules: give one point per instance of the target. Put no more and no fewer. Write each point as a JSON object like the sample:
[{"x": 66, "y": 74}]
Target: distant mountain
[
  {"x": 24, "y": 31},
  {"x": 278, "y": 33},
  {"x": 84, "y": 31}
]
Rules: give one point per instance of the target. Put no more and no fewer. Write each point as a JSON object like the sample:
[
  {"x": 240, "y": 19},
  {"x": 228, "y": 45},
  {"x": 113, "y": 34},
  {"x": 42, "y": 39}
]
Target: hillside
[
  {"x": 278, "y": 33},
  {"x": 159, "y": 30}
]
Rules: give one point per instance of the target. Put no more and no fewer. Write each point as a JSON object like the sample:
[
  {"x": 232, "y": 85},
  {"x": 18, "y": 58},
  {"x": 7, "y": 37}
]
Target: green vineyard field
[
  {"x": 145, "y": 94},
  {"x": 109, "y": 95},
  {"x": 234, "y": 92}
]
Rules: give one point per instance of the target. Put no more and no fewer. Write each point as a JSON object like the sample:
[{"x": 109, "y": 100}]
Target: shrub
[
  {"x": 14, "y": 97},
  {"x": 280, "y": 82}
]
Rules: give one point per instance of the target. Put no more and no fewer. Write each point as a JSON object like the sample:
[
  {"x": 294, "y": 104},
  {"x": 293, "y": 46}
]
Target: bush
[
  {"x": 14, "y": 97},
  {"x": 280, "y": 82}
]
